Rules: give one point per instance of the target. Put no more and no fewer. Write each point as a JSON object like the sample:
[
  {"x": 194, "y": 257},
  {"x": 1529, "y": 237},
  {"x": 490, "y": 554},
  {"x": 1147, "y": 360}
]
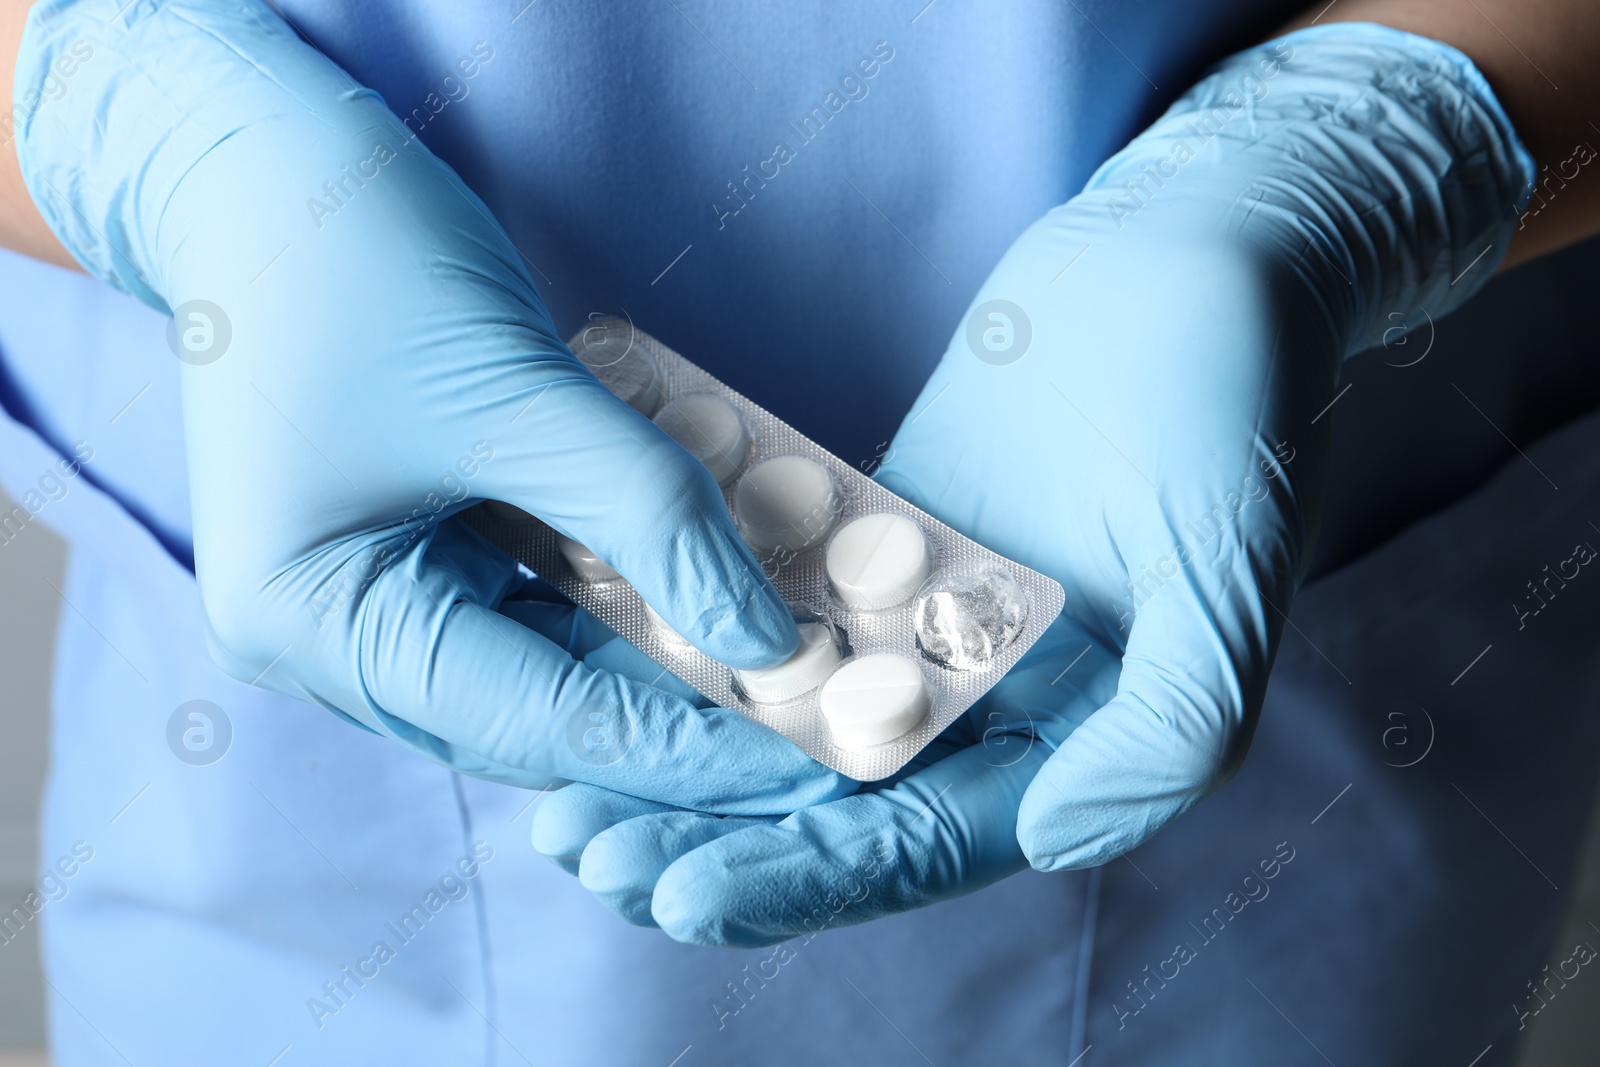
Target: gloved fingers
[
  {"x": 436, "y": 665},
  {"x": 603, "y": 474},
  {"x": 943, "y": 832},
  {"x": 1062, "y": 680},
  {"x": 622, "y": 864},
  {"x": 1177, "y": 728},
  {"x": 568, "y": 819},
  {"x": 957, "y": 737},
  {"x": 591, "y": 641}
]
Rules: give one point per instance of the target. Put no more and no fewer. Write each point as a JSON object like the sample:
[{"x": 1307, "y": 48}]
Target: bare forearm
[
  {"x": 21, "y": 227},
  {"x": 1543, "y": 61}
]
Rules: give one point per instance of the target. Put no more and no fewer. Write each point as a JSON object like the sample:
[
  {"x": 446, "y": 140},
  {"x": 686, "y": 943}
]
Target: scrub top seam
[
  {"x": 1080, "y": 1007},
  {"x": 20, "y": 408},
  {"x": 480, "y": 910}
]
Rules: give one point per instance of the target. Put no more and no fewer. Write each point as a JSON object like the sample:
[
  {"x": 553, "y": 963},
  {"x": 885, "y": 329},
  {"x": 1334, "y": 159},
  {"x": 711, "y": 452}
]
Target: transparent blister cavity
[
  {"x": 907, "y": 622},
  {"x": 964, "y": 620}
]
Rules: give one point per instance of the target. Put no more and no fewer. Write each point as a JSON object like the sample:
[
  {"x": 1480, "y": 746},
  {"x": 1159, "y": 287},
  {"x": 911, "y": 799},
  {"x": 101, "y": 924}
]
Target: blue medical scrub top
[{"x": 804, "y": 199}]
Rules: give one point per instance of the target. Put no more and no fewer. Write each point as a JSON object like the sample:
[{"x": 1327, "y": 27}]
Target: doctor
[{"x": 359, "y": 350}]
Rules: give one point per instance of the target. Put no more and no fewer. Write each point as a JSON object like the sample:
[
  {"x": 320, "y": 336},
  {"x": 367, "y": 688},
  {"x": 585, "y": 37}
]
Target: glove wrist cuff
[
  {"x": 115, "y": 108},
  {"x": 1374, "y": 164}
]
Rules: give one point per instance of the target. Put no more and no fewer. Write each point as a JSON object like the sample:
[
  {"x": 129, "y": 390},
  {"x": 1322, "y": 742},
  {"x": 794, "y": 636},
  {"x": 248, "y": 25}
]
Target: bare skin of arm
[
  {"x": 21, "y": 227},
  {"x": 1543, "y": 60}
]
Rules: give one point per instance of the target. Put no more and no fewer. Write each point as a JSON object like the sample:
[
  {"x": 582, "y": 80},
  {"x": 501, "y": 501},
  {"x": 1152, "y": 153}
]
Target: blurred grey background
[
  {"x": 28, "y": 609},
  {"x": 1566, "y": 1034}
]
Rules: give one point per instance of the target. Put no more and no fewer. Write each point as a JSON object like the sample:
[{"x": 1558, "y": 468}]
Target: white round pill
[
  {"x": 612, "y": 354},
  {"x": 787, "y": 502},
  {"x": 802, "y": 672},
  {"x": 874, "y": 699},
  {"x": 878, "y": 562},
  {"x": 585, "y": 564},
  {"x": 710, "y": 429}
]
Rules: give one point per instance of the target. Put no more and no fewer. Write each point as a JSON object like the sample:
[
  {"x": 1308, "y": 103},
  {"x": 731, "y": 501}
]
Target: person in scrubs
[{"x": 305, "y": 274}]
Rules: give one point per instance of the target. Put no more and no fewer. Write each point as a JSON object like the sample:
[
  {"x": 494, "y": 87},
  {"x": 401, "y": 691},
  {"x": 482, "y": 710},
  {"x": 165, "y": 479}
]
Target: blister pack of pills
[{"x": 904, "y": 623}]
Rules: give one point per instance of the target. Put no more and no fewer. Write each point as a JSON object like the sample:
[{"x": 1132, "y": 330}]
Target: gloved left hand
[
  {"x": 366, "y": 355},
  {"x": 1131, "y": 407}
]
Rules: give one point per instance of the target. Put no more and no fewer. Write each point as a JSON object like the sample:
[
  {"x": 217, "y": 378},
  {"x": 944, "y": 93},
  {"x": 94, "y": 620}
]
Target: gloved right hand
[
  {"x": 1145, "y": 429},
  {"x": 366, "y": 356}
]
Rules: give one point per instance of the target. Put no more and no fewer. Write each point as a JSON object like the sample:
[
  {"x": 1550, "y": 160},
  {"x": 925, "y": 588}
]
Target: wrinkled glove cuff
[
  {"x": 116, "y": 103},
  {"x": 1376, "y": 164}
]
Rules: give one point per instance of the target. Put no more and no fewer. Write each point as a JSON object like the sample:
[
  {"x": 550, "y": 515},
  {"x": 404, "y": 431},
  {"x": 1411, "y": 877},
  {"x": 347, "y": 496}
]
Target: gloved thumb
[{"x": 1177, "y": 728}]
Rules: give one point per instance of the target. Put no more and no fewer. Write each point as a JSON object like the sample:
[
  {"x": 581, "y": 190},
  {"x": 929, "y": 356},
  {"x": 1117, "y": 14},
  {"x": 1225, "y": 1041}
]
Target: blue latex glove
[
  {"x": 366, "y": 355},
  {"x": 1132, "y": 406}
]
